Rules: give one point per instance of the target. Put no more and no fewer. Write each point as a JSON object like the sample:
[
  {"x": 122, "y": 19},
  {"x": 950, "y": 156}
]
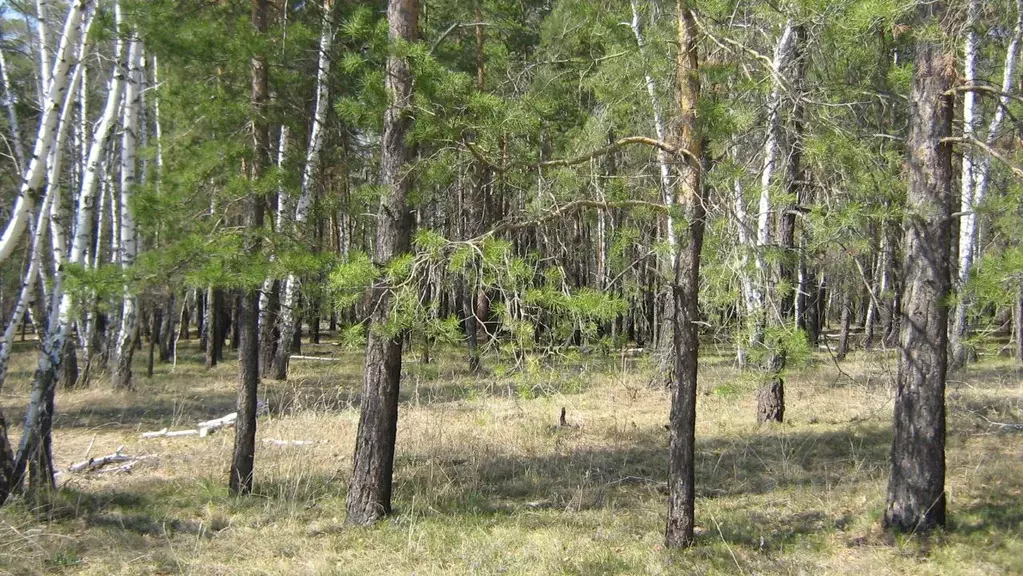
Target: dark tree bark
[
  {"x": 369, "y": 491},
  {"x": 242, "y": 463},
  {"x": 916, "y": 488},
  {"x": 269, "y": 331},
  {"x": 685, "y": 292},
  {"x": 843, "y": 336},
  {"x": 214, "y": 326},
  {"x": 6, "y": 461},
  {"x": 155, "y": 324},
  {"x": 69, "y": 365},
  {"x": 771, "y": 401}
]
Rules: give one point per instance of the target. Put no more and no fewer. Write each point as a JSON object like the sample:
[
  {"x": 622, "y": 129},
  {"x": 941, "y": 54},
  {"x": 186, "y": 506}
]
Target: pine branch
[
  {"x": 691, "y": 158},
  {"x": 1018, "y": 171}
]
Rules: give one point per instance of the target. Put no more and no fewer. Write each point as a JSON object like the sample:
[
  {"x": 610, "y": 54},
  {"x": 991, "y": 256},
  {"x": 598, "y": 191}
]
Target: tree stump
[{"x": 771, "y": 401}]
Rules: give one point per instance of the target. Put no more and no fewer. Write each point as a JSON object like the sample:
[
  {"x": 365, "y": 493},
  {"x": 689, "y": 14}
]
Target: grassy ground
[{"x": 486, "y": 483}]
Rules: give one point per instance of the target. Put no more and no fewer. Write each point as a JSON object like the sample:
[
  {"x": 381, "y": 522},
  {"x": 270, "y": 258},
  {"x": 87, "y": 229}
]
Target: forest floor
[{"x": 486, "y": 482}]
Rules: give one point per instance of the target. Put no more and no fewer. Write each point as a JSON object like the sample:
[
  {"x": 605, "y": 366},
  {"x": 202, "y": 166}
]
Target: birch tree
[
  {"x": 977, "y": 166},
  {"x": 35, "y": 173},
  {"x": 125, "y": 347},
  {"x": 290, "y": 292}
]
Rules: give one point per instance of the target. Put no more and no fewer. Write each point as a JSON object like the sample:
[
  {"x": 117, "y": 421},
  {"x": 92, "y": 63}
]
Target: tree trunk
[
  {"x": 975, "y": 176},
  {"x": 771, "y": 400},
  {"x": 369, "y": 491},
  {"x": 242, "y": 463},
  {"x": 290, "y": 292},
  {"x": 916, "y": 488},
  {"x": 46, "y": 137},
  {"x": 214, "y": 326},
  {"x": 843, "y": 337},
  {"x": 685, "y": 331},
  {"x": 1019, "y": 327},
  {"x": 128, "y": 335}
]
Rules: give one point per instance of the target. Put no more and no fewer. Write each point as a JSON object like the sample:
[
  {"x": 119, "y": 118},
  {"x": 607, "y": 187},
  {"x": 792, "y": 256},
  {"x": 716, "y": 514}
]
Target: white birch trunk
[
  {"x": 46, "y": 136},
  {"x": 782, "y": 54},
  {"x": 290, "y": 293},
  {"x": 125, "y": 347},
  {"x": 26, "y": 293},
  {"x": 976, "y": 170},
  {"x": 11, "y": 104},
  {"x": 667, "y": 191},
  {"x": 45, "y": 57}
]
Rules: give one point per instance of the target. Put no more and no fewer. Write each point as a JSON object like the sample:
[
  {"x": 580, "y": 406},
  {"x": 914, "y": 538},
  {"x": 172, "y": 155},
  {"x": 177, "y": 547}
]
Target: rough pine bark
[
  {"x": 369, "y": 491},
  {"x": 685, "y": 292},
  {"x": 243, "y": 461},
  {"x": 916, "y": 488},
  {"x": 771, "y": 400}
]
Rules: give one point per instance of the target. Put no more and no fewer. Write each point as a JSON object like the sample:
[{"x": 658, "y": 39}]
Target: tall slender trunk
[
  {"x": 369, "y": 491},
  {"x": 269, "y": 295},
  {"x": 667, "y": 186},
  {"x": 243, "y": 460},
  {"x": 916, "y": 488},
  {"x": 290, "y": 292},
  {"x": 126, "y": 339},
  {"x": 11, "y": 104},
  {"x": 687, "y": 135},
  {"x": 975, "y": 174},
  {"x": 771, "y": 392},
  {"x": 35, "y": 173}
]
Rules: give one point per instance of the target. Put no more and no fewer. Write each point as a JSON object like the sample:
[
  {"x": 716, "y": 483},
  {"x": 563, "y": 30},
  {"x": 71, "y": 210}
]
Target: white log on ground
[
  {"x": 276, "y": 442},
  {"x": 99, "y": 465},
  {"x": 205, "y": 428}
]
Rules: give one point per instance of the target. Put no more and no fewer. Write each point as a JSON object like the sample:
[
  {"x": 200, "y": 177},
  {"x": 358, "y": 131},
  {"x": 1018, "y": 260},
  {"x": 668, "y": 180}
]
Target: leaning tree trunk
[
  {"x": 35, "y": 172},
  {"x": 240, "y": 481},
  {"x": 11, "y": 104},
  {"x": 916, "y": 488},
  {"x": 685, "y": 331},
  {"x": 126, "y": 338},
  {"x": 369, "y": 491},
  {"x": 290, "y": 291}
]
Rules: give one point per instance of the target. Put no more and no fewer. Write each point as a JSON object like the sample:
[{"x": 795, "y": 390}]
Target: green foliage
[{"x": 350, "y": 280}]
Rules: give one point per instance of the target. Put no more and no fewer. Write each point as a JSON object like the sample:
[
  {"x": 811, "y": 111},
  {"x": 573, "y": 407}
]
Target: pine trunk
[
  {"x": 679, "y": 529},
  {"x": 916, "y": 488},
  {"x": 243, "y": 461},
  {"x": 369, "y": 491}
]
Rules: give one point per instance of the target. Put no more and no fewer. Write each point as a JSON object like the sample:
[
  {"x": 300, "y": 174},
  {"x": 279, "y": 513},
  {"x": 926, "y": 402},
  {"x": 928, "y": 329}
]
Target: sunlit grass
[{"x": 487, "y": 483}]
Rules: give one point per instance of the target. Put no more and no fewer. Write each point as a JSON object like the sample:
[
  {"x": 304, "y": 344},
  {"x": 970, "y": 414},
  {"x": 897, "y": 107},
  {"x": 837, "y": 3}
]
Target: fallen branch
[
  {"x": 203, "y": 429},
  {"x": 277, "y": 442},
  {"x": 168, "y": 433},
  {"x": 96, "y": 463},
  {"x": 320, "y": 358},
  {"x": 216, "y": 424},
  {"x": 124, "y": 468}
]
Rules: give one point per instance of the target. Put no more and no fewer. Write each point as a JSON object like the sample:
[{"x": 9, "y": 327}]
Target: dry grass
[{"x": 486, "y": 483}]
